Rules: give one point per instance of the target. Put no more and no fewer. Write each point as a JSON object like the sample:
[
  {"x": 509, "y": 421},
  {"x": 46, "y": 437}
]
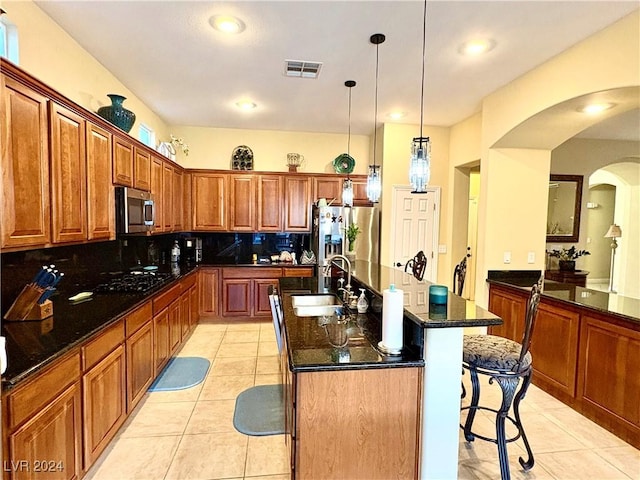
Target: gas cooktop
[{"x": 138, "y": 282}]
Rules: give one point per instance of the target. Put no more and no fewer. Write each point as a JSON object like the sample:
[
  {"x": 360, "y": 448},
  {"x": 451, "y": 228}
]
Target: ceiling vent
[{"x": 302, "y": 69}]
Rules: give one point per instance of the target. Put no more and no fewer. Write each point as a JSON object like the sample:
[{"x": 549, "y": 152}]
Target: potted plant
[
  {"x": 352, "y": 233},
  {"x": 567, "y": 257}
]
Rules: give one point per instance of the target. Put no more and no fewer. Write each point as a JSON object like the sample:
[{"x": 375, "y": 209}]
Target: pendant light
[
  {"x": 374, "y": 184},
  {"x": 420, "y": 166},
  {"x": 347, "y": 186}
]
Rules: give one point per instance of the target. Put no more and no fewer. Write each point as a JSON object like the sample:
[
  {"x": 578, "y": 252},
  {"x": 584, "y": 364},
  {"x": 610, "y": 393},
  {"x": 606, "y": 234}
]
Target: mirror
[{"x": 563, "y": 210}]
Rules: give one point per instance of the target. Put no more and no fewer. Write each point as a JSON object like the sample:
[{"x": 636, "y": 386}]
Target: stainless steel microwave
[{"x": 135, "y": 210}]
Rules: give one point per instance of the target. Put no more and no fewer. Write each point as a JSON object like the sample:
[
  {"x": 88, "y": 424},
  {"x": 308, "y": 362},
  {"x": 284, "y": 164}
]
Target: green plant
[
  {"x": 352, "y": 233},
  {"x": 568, "y": 254}
]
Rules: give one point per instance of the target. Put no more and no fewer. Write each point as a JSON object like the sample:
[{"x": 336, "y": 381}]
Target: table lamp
[{"x": 613, "y": 233}]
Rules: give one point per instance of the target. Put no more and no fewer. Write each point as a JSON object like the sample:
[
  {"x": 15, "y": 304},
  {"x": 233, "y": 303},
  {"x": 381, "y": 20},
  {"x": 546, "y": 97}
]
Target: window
[
  {"x": 147, "y": 136},
  {"x": 8, "y": 40}
]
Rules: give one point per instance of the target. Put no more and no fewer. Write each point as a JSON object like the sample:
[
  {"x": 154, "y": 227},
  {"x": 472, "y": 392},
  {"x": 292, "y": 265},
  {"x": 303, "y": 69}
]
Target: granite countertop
[
  {"x": 309, "y": 338},
  {"x": 31, "y": 345},
  {"x": 603, "y": 302},
  {"x": 458, "y": 312}
]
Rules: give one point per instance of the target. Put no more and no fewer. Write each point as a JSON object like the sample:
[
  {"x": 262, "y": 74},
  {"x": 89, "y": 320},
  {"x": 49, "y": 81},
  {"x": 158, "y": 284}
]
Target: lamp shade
[{"x": 613, "y": 232}]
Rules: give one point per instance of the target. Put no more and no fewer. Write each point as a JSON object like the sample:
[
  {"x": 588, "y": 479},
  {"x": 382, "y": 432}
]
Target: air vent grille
[{"x": 302, "y": 68}]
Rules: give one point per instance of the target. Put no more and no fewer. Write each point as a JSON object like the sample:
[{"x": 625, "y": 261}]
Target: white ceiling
[{"x": 169, "y": 56}]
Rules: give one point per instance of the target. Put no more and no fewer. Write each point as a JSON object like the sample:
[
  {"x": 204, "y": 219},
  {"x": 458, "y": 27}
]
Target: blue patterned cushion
[{"x": 494, "y": 353}]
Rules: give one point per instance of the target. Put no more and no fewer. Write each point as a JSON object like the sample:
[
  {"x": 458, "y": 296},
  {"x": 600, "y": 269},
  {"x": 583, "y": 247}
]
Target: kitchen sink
[{"x": 316, "y": 305}]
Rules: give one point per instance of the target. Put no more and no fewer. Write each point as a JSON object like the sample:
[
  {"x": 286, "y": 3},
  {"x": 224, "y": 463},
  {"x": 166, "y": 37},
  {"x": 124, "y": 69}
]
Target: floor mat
[
  {"x": 260, "y": 411},
  {"x": 181, "y": 373}
]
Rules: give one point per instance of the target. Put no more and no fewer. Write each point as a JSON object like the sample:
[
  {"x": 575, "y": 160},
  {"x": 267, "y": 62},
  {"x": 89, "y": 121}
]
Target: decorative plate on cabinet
[
  {"x": 344, "y": 163},
  {"x": 242, "y": 158}
]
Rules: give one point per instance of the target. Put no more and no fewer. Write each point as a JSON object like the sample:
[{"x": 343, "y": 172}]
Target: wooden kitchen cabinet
[
  {"x": 209, "y": 199},
  {"x": 242, "y": 203},
  {"x": 142, "y": 170},
  {"x": 269, "y": 202},
  {"x": 178, "y": 199},
  {"x": 511, "y": 307},
  {"x": 261, "y": 303},
  {"x": 236, "y": 297},
  {"x": 161, "y": 349},
  {"x": 208, "y": 286},
  {"x": 360, "y": 198},
  {"x": 25, "y": 166},
  {"x": 100, "y": 193},
  {"x": 140, "y": 359},
  {"x": 297, "y": 204},
  {"x": 168, "y": 211},
  {"x": 329, "y": 188},
  {"x": 122, "y": 161},
  {"x": 157, "y": 169},
  {"x": 194, "y": 317},
  {"x": 245, "y": 290},
  {"x": 175, "y": 325}
]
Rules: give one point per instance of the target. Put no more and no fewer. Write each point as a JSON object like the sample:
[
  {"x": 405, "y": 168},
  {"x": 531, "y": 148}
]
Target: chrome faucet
[{"x": 327, "y": 269}]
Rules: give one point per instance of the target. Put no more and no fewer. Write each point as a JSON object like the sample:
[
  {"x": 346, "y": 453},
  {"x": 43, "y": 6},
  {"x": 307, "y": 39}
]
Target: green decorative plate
[{"x": 344, "y": 163}]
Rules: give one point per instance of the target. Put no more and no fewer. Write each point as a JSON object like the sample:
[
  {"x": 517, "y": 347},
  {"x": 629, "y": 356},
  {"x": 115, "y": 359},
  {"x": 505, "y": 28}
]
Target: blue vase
[{"x": 117, "y": 114}]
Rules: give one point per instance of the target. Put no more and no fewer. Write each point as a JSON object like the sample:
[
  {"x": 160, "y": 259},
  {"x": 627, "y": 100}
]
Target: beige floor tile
[
  {"x": 225, "y": 387},
  {"x": 211, "y": 325},
  {"x": 625, "y": 459},
  {"x": 490, "y": 470},
  {"x": 158, "y": 418},
  {"x": 481, "y": 449},
  {"x": 268, "y": 364},
  {"x": 242, "y": 326},
  {"x": 233, "y": 366},
  {"x": 267, "y": 349},
  {"x": 546, "y": 436},
  {"x": 271, "y": 379},
  {"x": 238, "y": 350},
  {"x": 270, "y": 477},
  {"x": 212, "y": 417},
  {"x": 581, "y": 464},
  {"x": 135, "y": 459},
  {"x": 241, "y": 336},
  {"x": 588, "y": 433},
  {"x": 209, "y": 456},
  {"x": 268, "y": 334},
  {"x": 267, "y": 455},
  {"x": 184, "y": 395}
]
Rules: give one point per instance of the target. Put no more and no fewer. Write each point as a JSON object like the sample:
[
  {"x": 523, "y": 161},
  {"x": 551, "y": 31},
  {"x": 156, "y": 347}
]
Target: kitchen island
[{"x": 433, "y": 336}]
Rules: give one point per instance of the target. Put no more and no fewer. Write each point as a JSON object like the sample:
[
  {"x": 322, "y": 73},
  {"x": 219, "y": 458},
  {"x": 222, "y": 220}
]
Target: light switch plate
[
  {"x": 506, "y": 257},
  {"x": 442, "y": 249},
  {"x": 531, "y": 257}
]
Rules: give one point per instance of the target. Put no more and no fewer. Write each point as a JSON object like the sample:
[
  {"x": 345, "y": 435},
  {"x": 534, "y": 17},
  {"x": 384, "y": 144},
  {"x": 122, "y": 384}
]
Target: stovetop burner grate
[{"x": 140, "y": 282}]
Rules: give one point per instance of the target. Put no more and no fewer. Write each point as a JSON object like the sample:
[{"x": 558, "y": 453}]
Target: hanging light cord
[
  {"x": 349, "y": 137},
  {"x": 375, "y": 112},
  {"x": 424, "y": 48}
]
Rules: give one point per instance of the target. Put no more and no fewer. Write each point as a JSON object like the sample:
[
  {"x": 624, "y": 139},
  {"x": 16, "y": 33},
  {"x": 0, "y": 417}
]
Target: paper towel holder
[{"x": 389, "y": 351}]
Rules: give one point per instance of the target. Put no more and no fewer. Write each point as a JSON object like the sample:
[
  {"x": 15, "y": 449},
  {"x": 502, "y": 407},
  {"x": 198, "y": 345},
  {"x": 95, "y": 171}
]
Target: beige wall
[{"x": 48, "y": 53}]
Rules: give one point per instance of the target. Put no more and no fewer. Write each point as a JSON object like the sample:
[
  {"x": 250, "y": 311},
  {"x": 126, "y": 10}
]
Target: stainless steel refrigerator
[{"x": 329, "y": 232}]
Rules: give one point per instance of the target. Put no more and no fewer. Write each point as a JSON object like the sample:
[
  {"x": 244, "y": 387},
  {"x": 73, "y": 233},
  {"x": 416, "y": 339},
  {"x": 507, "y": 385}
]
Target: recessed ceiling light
[
  {"x": 397, "y": 115},
  {"x": 476, "y": 47},
  {"x": 227, "y": 24},
  {"x": 595, "y": 108},
  {"x": 246, "y": 105}
]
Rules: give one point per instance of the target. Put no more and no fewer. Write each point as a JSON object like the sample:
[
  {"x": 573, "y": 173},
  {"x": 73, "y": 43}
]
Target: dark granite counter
[
  {"x": 595, "y": 300},
  {"x": 458, "y": 312},
  {"x": 32, "y": 345},
  {"x": 310, "y": 339}
]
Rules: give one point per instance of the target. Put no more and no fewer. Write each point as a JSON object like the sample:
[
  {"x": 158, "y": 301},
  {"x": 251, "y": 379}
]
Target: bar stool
[
  {"x": 505, "y": 362},
  {"x": 418, "y": 264},
  {"x": 459, "y": 274}
]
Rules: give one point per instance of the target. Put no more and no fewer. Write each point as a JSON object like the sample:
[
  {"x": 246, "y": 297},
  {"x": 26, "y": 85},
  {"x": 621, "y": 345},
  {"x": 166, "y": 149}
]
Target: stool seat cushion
[{"x": 494, "y": 353}]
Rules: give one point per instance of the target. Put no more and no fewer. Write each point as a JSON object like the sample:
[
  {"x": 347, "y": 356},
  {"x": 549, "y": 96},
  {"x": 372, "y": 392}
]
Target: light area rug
[
  {"x": 260, "y": 411},
  {"x": 181, "y": 373}
]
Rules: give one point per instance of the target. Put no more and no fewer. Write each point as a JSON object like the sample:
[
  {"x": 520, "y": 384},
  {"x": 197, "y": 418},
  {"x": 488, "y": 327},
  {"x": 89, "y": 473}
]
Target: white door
[{"x": 416, "y": 227}]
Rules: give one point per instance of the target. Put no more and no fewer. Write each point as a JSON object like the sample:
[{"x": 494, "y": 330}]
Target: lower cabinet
[
  {"x": 140, "y": 359},
  {"x": 209, "y": 296}
]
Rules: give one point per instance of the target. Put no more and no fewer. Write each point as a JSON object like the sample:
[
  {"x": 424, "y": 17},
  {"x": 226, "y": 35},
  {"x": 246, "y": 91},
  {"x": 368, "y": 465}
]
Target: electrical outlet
[
  {"x": 531, "y": 257},
  {"x": 506, "y": 257}
]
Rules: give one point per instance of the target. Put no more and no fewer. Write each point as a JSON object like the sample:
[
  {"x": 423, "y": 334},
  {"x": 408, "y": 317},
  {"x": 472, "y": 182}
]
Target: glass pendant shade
[
  {"x": 347, "y": 193},
  {"x": 374, "y": 186},
  {"x": 420, "y": 167}
]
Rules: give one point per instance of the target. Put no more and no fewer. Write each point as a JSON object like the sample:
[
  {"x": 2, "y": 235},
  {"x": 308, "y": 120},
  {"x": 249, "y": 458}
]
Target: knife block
[{"x": 26, "y": 306}]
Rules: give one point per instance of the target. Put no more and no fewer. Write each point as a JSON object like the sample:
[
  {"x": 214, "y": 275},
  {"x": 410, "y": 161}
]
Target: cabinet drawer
[
  {"x": 297, "y": 272},
  {"x": 252, "y": 272},
  {"x": 163, "y": 300},
  {"x": 138, "y": 318},
  {"x": 25, "y": 401},
  {"x": 105, "y": 343}
]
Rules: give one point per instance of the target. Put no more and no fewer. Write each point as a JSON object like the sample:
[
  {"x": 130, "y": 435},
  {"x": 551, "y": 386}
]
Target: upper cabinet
[
  {"x": 270, "y": 194},
  {"x": 142, "y": 170},
  {"x": 25, "y": 166},
  {"x": 100, "y": 193},
  {"x": 122, "y": 162},
  {"x": 242, "y": 203},
  {"x": 329, "y": 188},
  {"x": 209, "y": 199},
  {"x": 157, "y": 167},
  {"x": 297, "y": 196}
]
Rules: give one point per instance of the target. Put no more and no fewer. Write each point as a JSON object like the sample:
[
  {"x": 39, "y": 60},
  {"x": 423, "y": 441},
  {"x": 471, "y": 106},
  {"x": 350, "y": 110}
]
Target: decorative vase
[
  {"x": 567, "y": 265},
  {"x": 117, "y": 114}
]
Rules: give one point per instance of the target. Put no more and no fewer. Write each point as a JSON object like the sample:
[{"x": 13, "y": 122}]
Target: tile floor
[{"x": 188, "y": 434}]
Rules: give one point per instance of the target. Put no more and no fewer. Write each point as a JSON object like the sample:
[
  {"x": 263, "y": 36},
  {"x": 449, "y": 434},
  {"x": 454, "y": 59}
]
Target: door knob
[{"x": 398, "y": 264}]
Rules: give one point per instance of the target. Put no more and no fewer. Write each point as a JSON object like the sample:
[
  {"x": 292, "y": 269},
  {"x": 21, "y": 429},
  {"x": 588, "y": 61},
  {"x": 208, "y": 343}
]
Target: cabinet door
[
  {"x": 25, "y": 166},
  {"x": 100, "y": 193},
  {"x": 140, "y": 364},
  {"x": 269, "y": 203},
  {"x": 209, "y": 198},
  {"x": 511, "y": 308},
  {"x": 177, "y": 199},
  {"x": 54, "y": 434},
  {"x": 209, "y": 294},
  {"x": 329, "y": 188},
  {"x": 167, "y": 197},
  {"x": 157, "y": 167},
  {"x": 242, "y": 201},
  {"x": 122, "y": 162},
  {"x": 193, "y": 318},
  {"x": 175, "y": 326},
  {"x": 261, "y": 304},
  {"x": 297, "y": 192},
  {"x": 161, "y": 338},
  {"x": 236, "y": 297},
  {"x": 360, "y": 198},
  {"x": 68, "y": 176},
  {"x": 104, "y": 403},
  {"x": 185, "y": 313},
  {"x": 142, "y": 172}
]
